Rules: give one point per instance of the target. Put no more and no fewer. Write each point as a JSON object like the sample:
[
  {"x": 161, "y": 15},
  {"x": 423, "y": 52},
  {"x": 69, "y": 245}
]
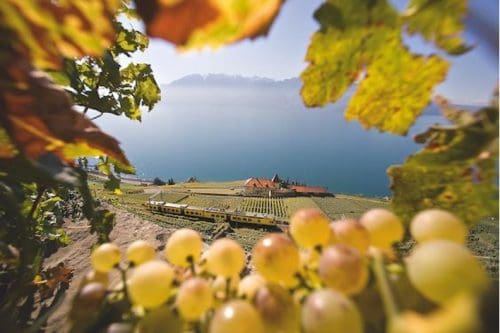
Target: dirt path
[{"x": 76, "y": 255}]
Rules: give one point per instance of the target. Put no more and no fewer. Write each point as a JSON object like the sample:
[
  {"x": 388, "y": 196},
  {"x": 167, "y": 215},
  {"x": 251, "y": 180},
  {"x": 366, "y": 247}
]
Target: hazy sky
[{"x": 471, "y": 79}]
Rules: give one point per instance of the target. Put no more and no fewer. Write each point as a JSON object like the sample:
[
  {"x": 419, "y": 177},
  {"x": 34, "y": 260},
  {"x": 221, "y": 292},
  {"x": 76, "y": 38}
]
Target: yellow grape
[
  {"x": 150, "y": 283},
  {"x": 433, "y": 224},
  {"x": 352, "y": 233},
  {"x": 249, "y": 285},
  {"x": 278, "y": 310},
  {"x": 236, "y": 317},
  {"x": 441, "y": 269},
  {"x": 182, "y": 245},
  {"x": 276, "y": 257},
  {"x": 140, "y": 251},
  {"x": 384, "y": 227},
  {"x": 225, "y": 257},
  {"x": 341, "y": 267},
  {"x": 459, "y": 315},
  {"x": 160, "y": 320},
  {"x": 194, "y": 298},
  {"x": 105, "y": 257},
  {"x": 327, "y": 311},
  {"x": 309, "y": 228}
]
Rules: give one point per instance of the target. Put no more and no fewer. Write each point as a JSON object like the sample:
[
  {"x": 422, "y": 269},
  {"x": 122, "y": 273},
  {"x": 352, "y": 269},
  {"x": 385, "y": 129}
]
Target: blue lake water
[{"x": 219, "y": 135}]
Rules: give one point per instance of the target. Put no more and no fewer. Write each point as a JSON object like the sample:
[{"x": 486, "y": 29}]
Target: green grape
[
  {"x": 249, "y": 285},
  {"x": 433, "y": 224},
  {"x": 309, "y": 228},
  {"x": 140, "y": 251},
  {"x": 160, "y": 320},
  {"x": 441, "y": 269},
  {"x": 150, "y": 283},
  {"x": 327, "y": 311},
  {"x": 182, "y": 246},
  {"x": 105, "y": 257},
  {"x": 276, "y": 258},
  {"x": 236, "y": 317},
  {"x": 277, "y": 309},
  {"x": 352, "y": 233},
  {"x": 384, "y": 227},
  {"x": 95, "y": 276},
  {"x": 225, "y": 257},
  {"x": 88, "y": 301},
  {"x": 194, "y": 298},
  {"x": 341, "y": 267}
]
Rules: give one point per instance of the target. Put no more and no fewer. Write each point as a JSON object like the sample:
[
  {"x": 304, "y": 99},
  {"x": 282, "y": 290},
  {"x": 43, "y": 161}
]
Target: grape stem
[
  {"x": 390, "y": 306},
  {"x": 123, "y": 274}
]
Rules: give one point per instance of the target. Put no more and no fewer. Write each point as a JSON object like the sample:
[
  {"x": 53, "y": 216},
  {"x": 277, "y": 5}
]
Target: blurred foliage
[
  {"x": 456, "y": 170},
  {"x": 200, "y": 23},
  {"x": 361, "y": 41}
]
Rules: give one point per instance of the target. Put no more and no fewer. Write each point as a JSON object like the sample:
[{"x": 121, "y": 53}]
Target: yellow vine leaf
[
  {"x": 207, "y": 23},
  {"x": 351, "y": 35},
  {"x": 440, "y": 22},
  {"x": 46, "y": 31},
  {"x": 397, "y": 88},
  {"x": 361, "y": 41}
]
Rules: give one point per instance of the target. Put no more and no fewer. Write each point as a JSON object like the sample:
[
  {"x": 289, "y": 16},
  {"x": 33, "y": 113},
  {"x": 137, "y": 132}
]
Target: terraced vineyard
[
  {"x": 346, "y": 207},
  {"x": 275, "y": 206},
  {"x": 294, "y": 204},
  {"x": 170, "y": 196},
  {"x": 221, "y": 202}
]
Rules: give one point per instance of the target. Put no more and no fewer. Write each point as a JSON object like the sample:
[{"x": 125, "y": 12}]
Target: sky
[{"x": 471, "y": 79}]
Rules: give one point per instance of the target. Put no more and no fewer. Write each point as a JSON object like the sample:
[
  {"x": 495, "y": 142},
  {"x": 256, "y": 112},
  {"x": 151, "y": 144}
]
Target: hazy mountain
[
  {"x": 224, "y": 89},
  {"x": 233, "y": 81}
]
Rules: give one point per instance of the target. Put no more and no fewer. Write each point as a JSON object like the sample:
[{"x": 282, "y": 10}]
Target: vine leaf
[
  {"x": 47, "y": 31},
  {"x": 200, "y": 23},
  {"x": 397, "y": 87},
  {"x": 456, "y": 169},
  {"x": 38, "y": 117},
  {"x": 440, "y": 22},
  {"x": 361, "y": 40},
  {"x": 351, "y": 35}
]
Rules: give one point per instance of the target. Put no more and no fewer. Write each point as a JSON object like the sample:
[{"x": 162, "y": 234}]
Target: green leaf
[
  {"x": 101, "y": 224},
  {"x": 397, "y": 88},
  {"x": 456, "y": 170},
  {"x": 440, "y": 22}
]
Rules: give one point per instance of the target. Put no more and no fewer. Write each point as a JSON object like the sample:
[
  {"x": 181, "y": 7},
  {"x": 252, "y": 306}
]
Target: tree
[{"x": 158, "y": 181}]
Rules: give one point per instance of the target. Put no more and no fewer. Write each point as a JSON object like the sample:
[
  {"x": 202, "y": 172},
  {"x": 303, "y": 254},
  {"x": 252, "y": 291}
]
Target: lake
[{"x": 221, "y": 134}]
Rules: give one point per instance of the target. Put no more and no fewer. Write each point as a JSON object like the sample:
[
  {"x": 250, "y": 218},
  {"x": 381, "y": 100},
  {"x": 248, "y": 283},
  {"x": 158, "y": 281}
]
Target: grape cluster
[{"x": 309, "y": 280}]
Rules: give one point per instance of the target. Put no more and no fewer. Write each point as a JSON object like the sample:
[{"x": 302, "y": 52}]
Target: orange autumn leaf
[
  {"x": 201, "y": 23},
  {"x": 46, "y": 31},
  {"x": 39, "y": 118}
]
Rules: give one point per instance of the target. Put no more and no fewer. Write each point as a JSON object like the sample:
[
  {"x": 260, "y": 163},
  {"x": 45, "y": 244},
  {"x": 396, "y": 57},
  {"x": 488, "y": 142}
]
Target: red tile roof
[{"x": 261, "y": 182}]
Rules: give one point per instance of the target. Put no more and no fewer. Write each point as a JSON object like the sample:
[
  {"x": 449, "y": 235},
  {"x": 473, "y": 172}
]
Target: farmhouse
[{"x": 261, "y": 183}]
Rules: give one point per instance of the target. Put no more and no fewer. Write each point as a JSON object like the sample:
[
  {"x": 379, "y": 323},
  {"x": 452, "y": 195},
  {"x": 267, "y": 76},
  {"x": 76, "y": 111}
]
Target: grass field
[
  {"x": 222, "y": 202},
  {"x": 347, "y": 207}
]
